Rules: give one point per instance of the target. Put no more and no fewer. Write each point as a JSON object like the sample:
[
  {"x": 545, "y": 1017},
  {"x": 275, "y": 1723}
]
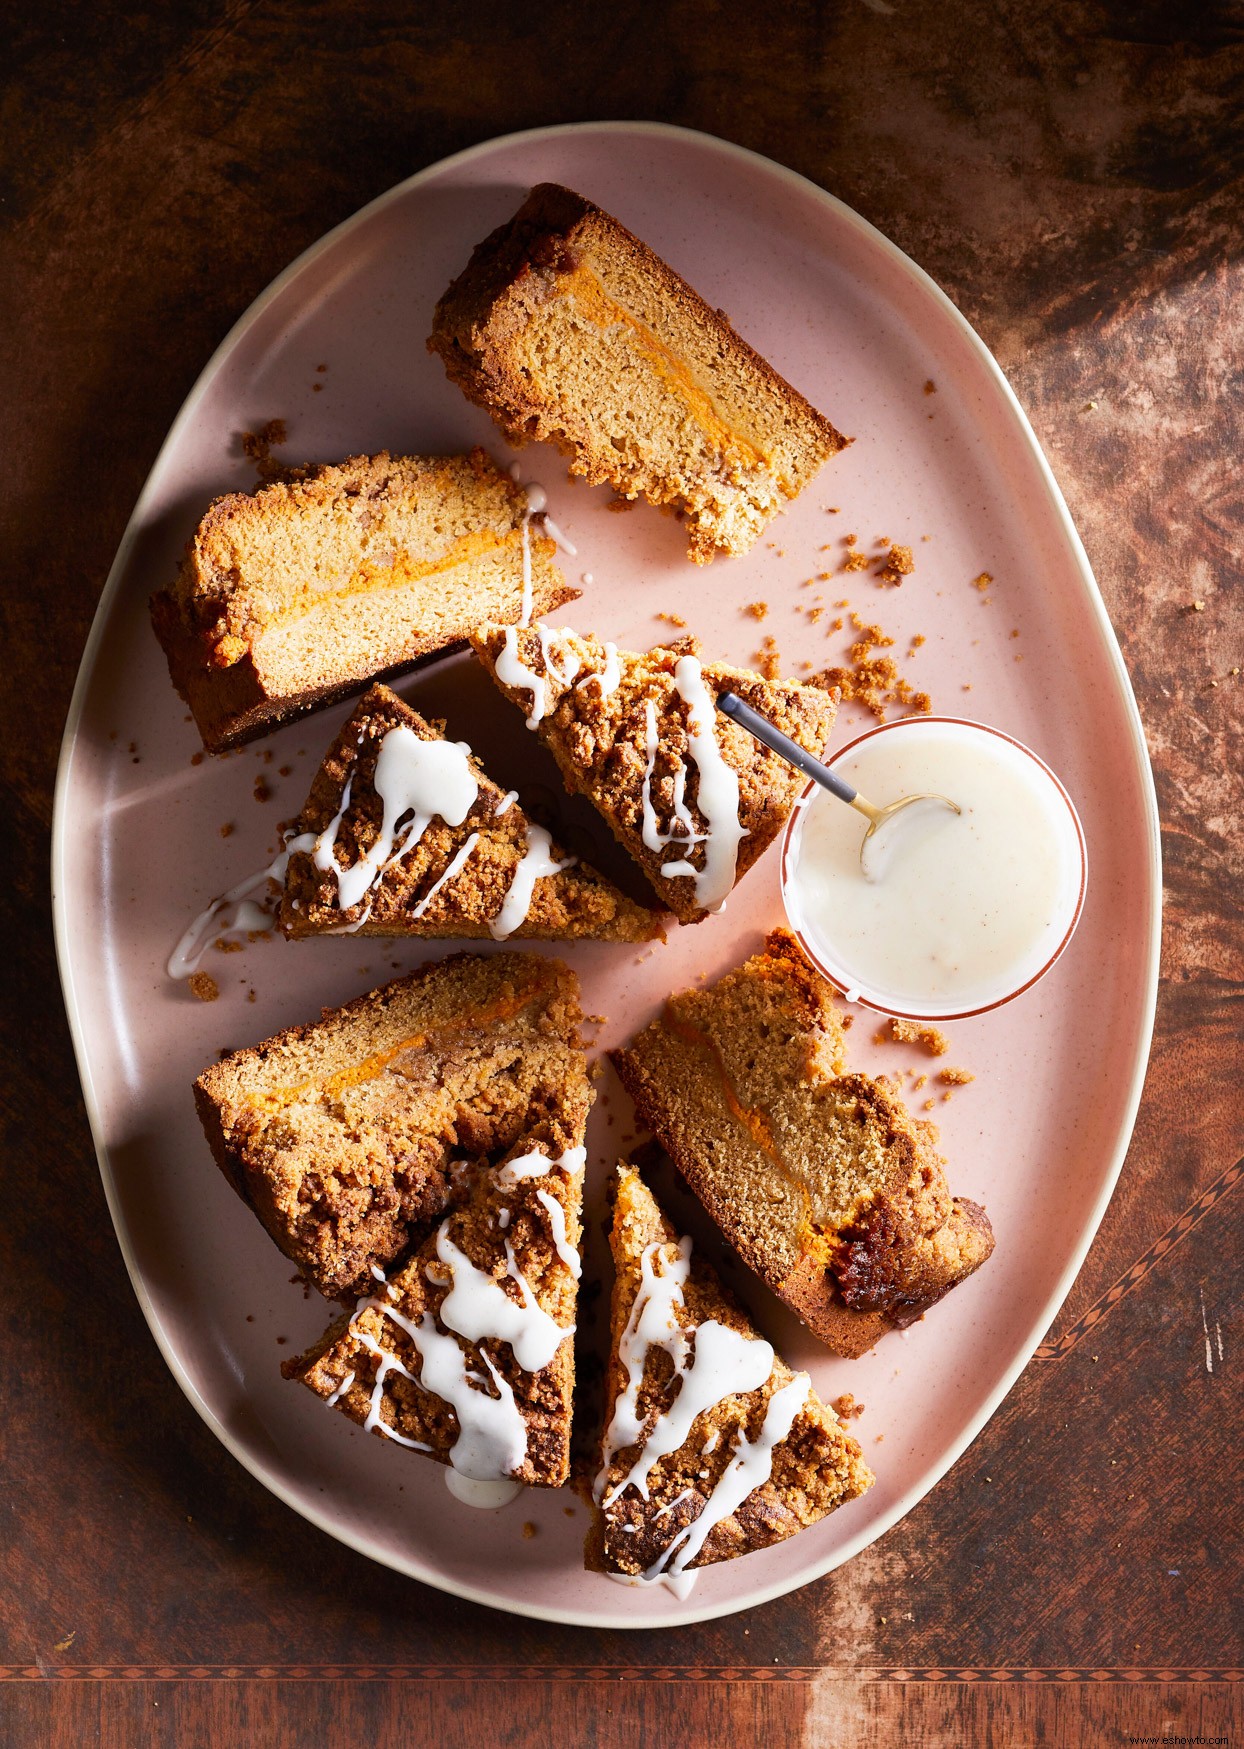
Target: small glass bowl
[{"x": 820, "y": 956}]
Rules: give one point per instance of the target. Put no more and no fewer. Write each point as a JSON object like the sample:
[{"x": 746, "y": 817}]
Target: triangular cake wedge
[
  {"x": 820, "y": 1179},
  {"x": 342, "y": 1135},
  {"x": 466, "y": 1352},
  {"x": 694, "y": 798},
  {"x": 297, "y": 593},
  {"x": 713, "y": 1447},
  {"x": 404, "y": 833}
]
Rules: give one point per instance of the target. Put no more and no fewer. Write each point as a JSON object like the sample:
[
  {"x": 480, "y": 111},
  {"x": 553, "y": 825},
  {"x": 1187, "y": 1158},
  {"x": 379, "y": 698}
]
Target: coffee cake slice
[
  {"x": 342, "y": 1135},
  {"x": 692, "y": 797},
  {"x": 713, "y": 1447},
  {"x": 569, "y": 330},
  {"x": 405, "y": 834},
  {"x": 466, "y": 1351},
  {"x": 295, "y": 594},
  {"x": 819, "y": 1178}
]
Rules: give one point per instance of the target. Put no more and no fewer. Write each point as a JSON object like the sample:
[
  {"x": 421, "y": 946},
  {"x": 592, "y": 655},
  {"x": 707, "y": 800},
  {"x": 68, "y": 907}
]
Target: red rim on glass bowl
[{"x": 819, "y": 951}]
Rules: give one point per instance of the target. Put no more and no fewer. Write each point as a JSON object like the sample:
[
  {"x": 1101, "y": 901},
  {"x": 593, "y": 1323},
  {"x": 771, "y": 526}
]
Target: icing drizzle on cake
[
  {"x": 491, "y": 1443},
  {"x": 711, "y": 1362},
  {"x": 717, "y": 796}
]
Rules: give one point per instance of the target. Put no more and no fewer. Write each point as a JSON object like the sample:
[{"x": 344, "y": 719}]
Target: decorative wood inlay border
[
  {"x": 1147, "y": 1261},
  {"x": 697, "y": 1673}
]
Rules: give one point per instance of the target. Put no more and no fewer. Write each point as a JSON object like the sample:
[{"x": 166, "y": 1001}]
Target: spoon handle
[{"x": 732, "y": 706}]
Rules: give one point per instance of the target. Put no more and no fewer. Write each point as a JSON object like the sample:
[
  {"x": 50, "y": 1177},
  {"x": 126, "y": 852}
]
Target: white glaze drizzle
[
  {"x": 561, "y": 668},
  {"x": 717, "y": 799},
  {"x": 488, "y": 1496},
  {"x": 513, "y": 672},
  {"x": 653, "y": 1323},
  {"x": 537, "y": 864},
  {"x": 722, "y": 1364},
  {"x": 749, "y": 1468},
  {"x": 454, "y": 867},
  {"x": 492, "y": 1432},
  {"x": 492, "y": 1435},
  {"x": 610, "y": 676},
  {"x": 477, "y": 1306},
  {"x": 687, "y": 1494},
  {"x": 386, "y": 1362},
  {"x": 559, "y": 539},
  {"x": 235, "y": 912},
  {"x": 536, "y": 1165},
  {"x": 505, "y": 804},
  {"x": 412, "y": 776},
  {"x": 340, "y": 1392},
  {"x": 557, "y": 1229}
]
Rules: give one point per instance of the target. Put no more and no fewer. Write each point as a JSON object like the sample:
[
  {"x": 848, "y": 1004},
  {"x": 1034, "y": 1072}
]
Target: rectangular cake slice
[
  {"x": 819, "y": 1178},
  {"x": 404, "y": 833},
  {"x": 294, "y": 594},
  {"x": 341, "y": 1135},
  {"x": 569, "y": 330},
  {"x": 692, "y": 797},
  {"x": 466, "y": 1351},
  {"x": 713, "y": 1447}
]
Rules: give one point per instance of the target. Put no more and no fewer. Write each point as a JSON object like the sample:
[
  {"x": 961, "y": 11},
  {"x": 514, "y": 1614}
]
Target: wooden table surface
[{"x": 1072, "y": 176}]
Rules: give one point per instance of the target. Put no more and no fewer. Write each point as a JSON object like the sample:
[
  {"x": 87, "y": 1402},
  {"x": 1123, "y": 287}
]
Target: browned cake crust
[
  {"x": 340, "y": 1135},
  {"x": 568, "y": 329},
  {"x": 412, "y": 895},
  {"x": 820, "y": 1179},
  {"x": 815, "y": 1469},
  {"x": 353, "y": 1363},
  {"x": 293, "y": 595},
  {"x": 600, "y": 742}
]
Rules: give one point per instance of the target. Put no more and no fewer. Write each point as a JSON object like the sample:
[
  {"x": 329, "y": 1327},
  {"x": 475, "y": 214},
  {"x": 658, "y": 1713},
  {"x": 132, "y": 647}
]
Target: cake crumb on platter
[{"x": 918, "y": 1032}]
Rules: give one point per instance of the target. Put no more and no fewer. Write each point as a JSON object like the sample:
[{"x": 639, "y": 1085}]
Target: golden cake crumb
[
  {"x": 226, "y": 831},
  {"x": 918, "y": 639},
  {"x": 982, "y": 582},
  {"x": 856, "y": 561},
  {"x": 768, "y": 659},
  {"x": 930, "y": 388},
  {"x": 919, "y": 1032},
  {"x": 899, "y": 563},
  {"x": 204, "y": 986},
  {"x": 956, "y": 1077},
  {"x": 873, "y": 681},
  {"x": 529, "y": 1530},
  {"x": 257, "y": 447},
  {"x": 920, "y": 1081},
  {"x": 757, "y": 609}
]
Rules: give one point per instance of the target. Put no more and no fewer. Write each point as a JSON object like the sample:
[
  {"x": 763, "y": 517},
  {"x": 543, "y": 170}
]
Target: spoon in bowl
[{"x": 877, "y": 844}]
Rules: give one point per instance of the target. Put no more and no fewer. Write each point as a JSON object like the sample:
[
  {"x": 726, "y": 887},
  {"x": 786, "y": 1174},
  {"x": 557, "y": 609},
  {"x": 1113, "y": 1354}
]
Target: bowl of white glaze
[{"x": 966, "y": 910}]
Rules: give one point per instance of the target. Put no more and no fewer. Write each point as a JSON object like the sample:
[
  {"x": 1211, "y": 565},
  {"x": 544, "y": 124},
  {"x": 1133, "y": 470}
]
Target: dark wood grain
[{"x": 1072, "y": 175}]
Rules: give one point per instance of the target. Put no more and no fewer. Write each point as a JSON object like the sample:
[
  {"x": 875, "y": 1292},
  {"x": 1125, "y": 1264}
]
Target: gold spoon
[{"x": 871, "y": 861}]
